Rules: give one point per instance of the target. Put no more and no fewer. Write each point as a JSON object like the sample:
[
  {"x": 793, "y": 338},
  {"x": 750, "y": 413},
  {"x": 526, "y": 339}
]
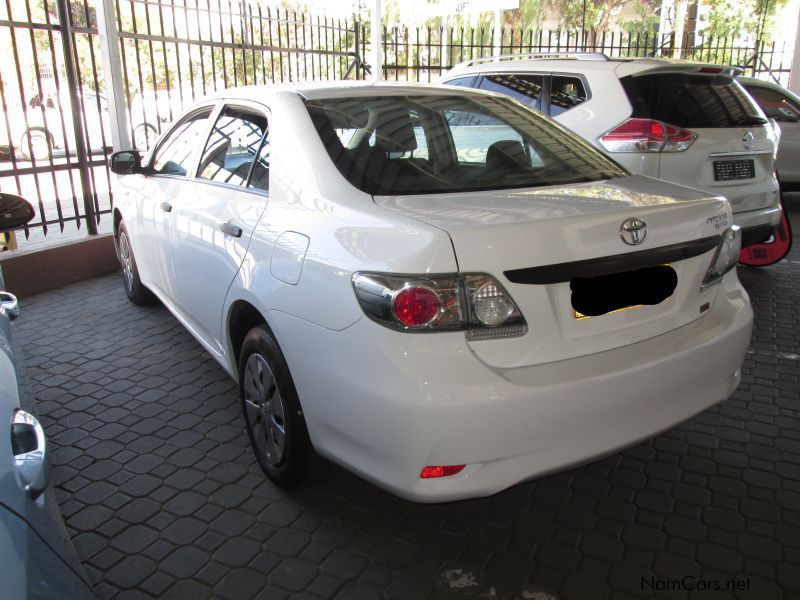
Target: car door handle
[
  {"x": 231, "y": 229},
  {"x": 166, "y": 207}
]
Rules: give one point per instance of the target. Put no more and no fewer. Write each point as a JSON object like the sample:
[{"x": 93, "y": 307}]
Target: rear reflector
[
  {"x": 647, "y": 135},
  {"x": 440, "y": 471}
]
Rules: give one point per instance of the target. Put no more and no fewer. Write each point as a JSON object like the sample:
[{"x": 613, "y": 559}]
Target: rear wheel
[
  {"x": 144, "y": 136},
  {"x": 37, "y": 144},
  {"x": 275, "y": 423},
  {"x": 134, "y": 288}
]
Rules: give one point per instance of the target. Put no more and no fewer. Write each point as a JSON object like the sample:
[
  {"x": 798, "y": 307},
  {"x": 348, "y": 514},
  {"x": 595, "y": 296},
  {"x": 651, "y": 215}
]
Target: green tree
[
  {"x": 646, "y": 21},
  {"x": 736, "y": 18}
]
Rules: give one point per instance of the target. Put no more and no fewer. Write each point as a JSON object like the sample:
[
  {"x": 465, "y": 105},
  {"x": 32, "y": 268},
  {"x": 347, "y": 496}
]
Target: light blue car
[{"x": 35, "y": 551}]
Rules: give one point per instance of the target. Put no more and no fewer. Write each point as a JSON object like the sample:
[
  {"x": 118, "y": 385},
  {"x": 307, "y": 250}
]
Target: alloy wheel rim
[
  {"x": 37, "y": 147},
  {"x": 126, "y": 261},
  {"x": 265, "y": 410}
]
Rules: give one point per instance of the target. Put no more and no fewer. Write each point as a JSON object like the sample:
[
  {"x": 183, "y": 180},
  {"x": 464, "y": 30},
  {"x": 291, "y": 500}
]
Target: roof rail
[{"x": 532, "y": 55}]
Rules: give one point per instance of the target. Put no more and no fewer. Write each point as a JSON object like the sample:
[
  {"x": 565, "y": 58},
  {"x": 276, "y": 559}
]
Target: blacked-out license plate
[{"x": 731, "y": 170}]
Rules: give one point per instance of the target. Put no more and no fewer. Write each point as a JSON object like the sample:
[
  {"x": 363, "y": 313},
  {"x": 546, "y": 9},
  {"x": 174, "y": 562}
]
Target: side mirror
[
  {"x": 126, "y": 162},
  {"x": 14, "y": 212}
]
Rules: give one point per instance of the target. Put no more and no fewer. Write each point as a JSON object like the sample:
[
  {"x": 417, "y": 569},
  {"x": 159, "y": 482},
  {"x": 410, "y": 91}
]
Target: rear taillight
[
  {"x": 647, "y": 135},
  {"x": 415, "y": 306},
  {"x": 474, "y": 302},
  {"x": 725, "y": 258}
]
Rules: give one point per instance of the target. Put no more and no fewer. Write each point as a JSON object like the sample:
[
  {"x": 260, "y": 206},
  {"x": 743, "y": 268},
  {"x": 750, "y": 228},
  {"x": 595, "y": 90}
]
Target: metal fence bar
[{"x": 166, "y": 54}]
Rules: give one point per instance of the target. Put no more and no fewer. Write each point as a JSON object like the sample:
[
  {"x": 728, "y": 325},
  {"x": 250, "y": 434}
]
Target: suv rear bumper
[{"x": 758, "y": 225}]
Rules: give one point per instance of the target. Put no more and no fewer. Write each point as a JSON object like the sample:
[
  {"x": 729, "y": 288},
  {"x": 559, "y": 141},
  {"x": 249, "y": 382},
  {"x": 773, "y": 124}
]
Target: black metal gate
[{"x": 55, "y": 133}]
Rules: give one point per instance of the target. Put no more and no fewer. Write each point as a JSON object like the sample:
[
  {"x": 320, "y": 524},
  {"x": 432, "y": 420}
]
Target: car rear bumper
[
  {"x": 385, "y": 404},
  {"x": 758, "y": 225}
]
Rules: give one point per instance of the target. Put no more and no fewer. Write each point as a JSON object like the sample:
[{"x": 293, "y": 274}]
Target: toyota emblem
[{"x": 633, "y": 231}]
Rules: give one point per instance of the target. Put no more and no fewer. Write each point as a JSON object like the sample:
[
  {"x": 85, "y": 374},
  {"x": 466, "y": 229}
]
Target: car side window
[
  {"x": 565, "y": 93},
  {"x": 524, "y": 88},
  {"x": 775, "y": 105},
  {"x": 174, "y": 155},
  {"x": 232, "y": 147}
]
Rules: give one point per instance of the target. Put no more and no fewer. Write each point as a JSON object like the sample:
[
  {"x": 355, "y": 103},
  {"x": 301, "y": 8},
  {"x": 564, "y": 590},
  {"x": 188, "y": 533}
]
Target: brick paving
[{"x": 164, "y": 499}]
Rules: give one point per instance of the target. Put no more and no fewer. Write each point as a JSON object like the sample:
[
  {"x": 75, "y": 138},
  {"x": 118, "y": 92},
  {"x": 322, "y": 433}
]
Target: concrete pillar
[
  {"x": 112, "y": 67},
  {"x": 377, "y": 42},
  {"x": 794, "y": 76}
]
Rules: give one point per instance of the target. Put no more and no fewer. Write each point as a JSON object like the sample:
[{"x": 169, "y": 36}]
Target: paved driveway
[{"x": 164, "y": 499}]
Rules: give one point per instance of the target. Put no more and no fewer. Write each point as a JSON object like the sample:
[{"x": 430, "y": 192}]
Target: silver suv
[{"x": 689, "y": 123}]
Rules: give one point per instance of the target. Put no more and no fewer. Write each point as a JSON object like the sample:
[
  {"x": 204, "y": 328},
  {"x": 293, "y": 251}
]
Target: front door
[{"x": 155, "y": 196}]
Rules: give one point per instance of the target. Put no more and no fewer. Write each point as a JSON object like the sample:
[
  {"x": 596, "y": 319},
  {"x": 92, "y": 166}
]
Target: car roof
[
  {"x": 582, "y": 62},
  {"x": 770, "y": 84},
  {"x": 338, "y": 89}
]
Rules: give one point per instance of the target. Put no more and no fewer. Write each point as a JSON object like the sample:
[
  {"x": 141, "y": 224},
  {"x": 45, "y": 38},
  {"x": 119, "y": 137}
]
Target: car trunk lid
[{"x": 510, "y": 231}]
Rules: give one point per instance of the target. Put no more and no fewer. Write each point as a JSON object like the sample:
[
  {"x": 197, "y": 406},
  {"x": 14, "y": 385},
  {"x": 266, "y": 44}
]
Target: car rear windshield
[
  {"x": 400, "y": 145},
  {"x": 691, "y": 101}
]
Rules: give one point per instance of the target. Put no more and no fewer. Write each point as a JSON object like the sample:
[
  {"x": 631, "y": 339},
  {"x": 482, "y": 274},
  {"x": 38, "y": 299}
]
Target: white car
[
  {"x": 436, "y": 288},
  {"x": 689, "y": 123},
  {"x": 784, "y": 106},
  {"x": 47, "y": 126}
]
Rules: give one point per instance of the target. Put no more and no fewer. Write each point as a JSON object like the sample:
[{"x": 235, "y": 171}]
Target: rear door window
[
  {"x": 565, "y": 93},
  {"x": 691, "y": 101},
  {"x": 232, "y": 146},
  {"x": 775, "y": 105},
  {"x": 524, "y": 88}
]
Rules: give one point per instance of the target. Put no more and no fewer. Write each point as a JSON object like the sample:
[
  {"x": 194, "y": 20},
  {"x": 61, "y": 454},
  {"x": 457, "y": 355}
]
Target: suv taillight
[
  {"x": 472, "y": 302},
  {"x": 647, "y": 135}
]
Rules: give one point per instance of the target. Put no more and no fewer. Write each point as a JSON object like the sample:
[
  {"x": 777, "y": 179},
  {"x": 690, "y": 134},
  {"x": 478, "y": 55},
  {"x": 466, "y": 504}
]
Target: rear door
[
  {"x": 733, "y": 152},
  {"x": 214, "y": 220}
]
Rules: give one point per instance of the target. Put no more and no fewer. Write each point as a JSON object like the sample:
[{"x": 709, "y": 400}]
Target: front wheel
[
  {"x": 134, "y": 288},
  {"x": 275, "y": 423}
]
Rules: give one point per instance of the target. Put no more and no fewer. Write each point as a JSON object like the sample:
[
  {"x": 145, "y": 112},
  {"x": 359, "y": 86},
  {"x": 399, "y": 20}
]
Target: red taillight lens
[
  {"x": 440, "y": 471},
  {"x": 647, "y": 135},
  {"x": 415, "y": 306}
]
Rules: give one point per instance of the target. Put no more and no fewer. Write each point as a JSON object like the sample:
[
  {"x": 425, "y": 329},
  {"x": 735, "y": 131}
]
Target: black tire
[
  {"x": 134, "y": 288},
  {"x": 272, "y": 413},
  {"x": 37, "y": 144}
]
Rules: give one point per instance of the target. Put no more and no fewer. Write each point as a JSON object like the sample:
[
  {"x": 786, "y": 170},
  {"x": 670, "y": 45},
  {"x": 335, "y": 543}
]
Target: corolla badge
[
  {"x": 633, "y": 231},
  {"x": 747, "y": 140}
]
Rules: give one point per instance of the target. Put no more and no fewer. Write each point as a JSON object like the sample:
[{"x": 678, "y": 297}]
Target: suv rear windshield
[
  {"x": 399, "y": 145},
  {"x": 691, "y": 101}
]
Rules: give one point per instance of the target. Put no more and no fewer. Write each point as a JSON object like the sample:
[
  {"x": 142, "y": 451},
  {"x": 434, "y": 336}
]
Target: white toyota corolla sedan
[{"x": 436, "y": 288}]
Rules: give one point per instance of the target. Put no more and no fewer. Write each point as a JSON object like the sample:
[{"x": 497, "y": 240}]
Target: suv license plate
[{"x": 731, "y": 170}]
